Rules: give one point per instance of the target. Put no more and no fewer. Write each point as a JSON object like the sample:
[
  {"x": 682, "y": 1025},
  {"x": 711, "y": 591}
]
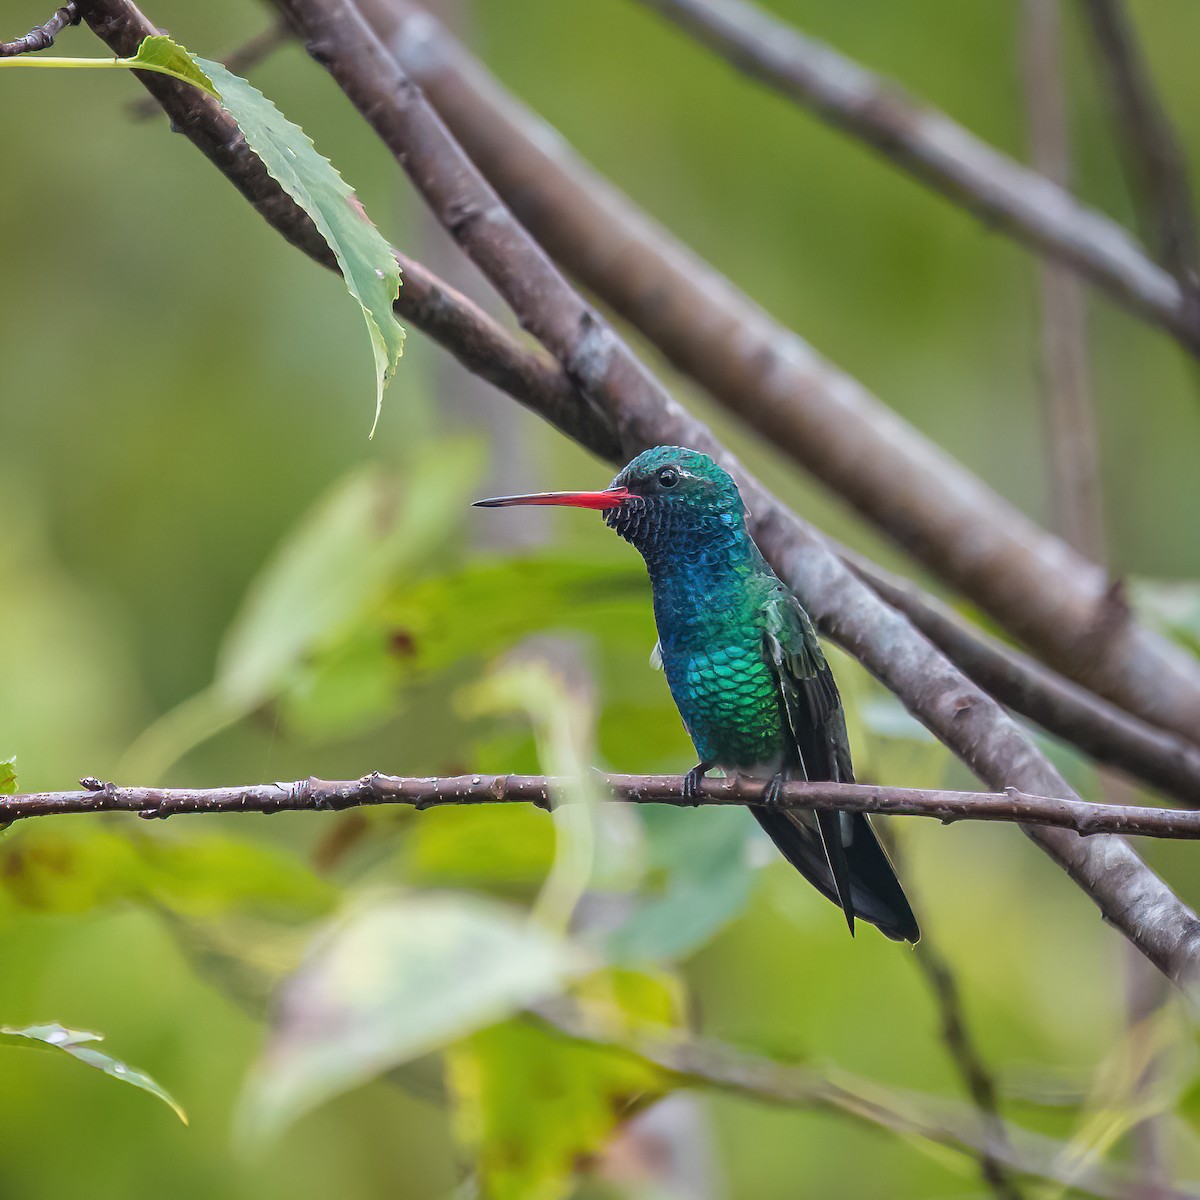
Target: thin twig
[
  {"x": 1152, "y": 151},
  {"x": 1073, "y": 470},
  {"x": 322, "y": 795},
  {"x": 940, "y": 153},
  {"x": 614, "y": 394},
  {"x": 966, "y": 1057},
  {"x": 711, "y": 1064},
  {"x": 42, "y": 38},
  {"x": 1046, "y": 595}
]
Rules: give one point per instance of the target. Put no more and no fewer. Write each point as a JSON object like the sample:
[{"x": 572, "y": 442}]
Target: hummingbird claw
[
  {"x": 770, "y": 800},
  {"x": 692, "y": 781}
]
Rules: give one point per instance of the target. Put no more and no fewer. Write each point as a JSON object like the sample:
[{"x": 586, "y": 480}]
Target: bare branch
[
  {"x": 321, "y": 795},
  {"x": 41, "y": 38},
  {"x": 963, "y": 716},
  {"x": 714, "y": 1065},
  {"x": 966, "y": 1057},
  {"x": 1047, "y": 595},
  {"x": 940, "y": 153},
  {"x": 1153, "y": 154},
  {"x": 1062, "y": 708},
  {"x": 1073, "y": 469}
]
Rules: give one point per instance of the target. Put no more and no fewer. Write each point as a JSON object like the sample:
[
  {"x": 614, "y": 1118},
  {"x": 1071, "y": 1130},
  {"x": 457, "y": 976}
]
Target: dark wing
[{"x": 837, "y": 852}]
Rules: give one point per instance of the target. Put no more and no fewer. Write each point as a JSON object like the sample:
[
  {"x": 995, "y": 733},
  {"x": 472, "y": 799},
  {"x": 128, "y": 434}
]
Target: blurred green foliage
[{"x": 210, "y": 574}]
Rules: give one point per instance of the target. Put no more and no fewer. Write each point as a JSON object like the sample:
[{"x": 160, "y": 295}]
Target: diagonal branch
[
  {"x": 940, "y": 153},
  {"x": 1101, "y": 730},
  {"x": 622, "y": 396},
  {"x": 1153, "y": 154},
  {"x": 1047, "y": 595},
  {"x": 41, "y": 38},
  {"x": 323, "y": 795}
]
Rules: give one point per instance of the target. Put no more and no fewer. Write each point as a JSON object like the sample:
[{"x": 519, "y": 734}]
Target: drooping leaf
[
  {"x": 78, "y": 1044},
  {"x": 533, "y": 1107},
  {"x": 8, "y": 776},
  {"x": 394, "y": 980},
  {"x": 368, "y": 266}
]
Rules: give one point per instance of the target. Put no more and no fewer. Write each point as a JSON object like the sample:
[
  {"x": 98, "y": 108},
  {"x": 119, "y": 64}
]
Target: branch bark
[
  {"x": 1050, "y": 597},
  {"x": 1101, "y": 730},
  {"x": 41, "y": 38},
  {"x": 714, "y": 1065},
  {"x": 1154, "y": 157},
  {"x": 623, "y": 397},
  {"x": 322, "y": 795},
  {"x": 940, "y": 153}
]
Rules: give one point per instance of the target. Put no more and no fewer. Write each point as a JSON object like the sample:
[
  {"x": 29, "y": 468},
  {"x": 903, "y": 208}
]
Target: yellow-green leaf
[{"x": 77, "y": 1043}]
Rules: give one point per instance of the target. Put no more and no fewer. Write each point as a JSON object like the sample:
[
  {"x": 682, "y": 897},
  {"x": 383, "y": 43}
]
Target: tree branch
[
  {"x": 1047, "y": 595},
  {"x": 1062, "y": 708},
  {"x": 540, "y": 384},
  {"x": 1154, "y": 157},
  {"x": 322, "y": 795},
  {"x": 623, "y": 397},
  {"x": 940, "y": 153},
  {"x": 41, "y": 38},
  {"x": 965, "y": 1054},
  {"x": 714, "y": 1065}
]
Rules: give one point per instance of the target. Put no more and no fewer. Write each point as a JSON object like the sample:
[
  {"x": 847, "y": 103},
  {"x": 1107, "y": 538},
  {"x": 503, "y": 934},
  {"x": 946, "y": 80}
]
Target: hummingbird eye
[{"x": 668, "y": 477}]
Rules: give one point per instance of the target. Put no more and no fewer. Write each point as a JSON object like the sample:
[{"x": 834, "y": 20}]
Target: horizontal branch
[
  {"x": 326, "y": 795},
  {"x": 1034, "y": 585}
]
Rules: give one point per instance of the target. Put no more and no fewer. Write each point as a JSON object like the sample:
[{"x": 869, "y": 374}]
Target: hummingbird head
[{"x": 666, "y": 500}]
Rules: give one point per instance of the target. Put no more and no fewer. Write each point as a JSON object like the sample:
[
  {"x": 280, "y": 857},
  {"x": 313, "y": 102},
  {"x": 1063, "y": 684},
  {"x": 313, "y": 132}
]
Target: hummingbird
[{"x": 745, "y": 668}]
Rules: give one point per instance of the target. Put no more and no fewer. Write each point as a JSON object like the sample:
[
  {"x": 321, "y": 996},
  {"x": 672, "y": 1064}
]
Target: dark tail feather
[
  {"x": 875, "y": 893},
  {"x": 829, "y": 829}
]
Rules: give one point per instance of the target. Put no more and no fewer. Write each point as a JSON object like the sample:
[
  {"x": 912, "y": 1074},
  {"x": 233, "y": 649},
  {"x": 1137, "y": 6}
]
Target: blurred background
[{"x": 184, "y": 409}]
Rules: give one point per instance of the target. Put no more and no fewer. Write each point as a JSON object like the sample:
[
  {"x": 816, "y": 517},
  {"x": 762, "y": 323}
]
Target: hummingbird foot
[
  {"x": 770, "y": 797},
  {"x": 692, "y": 781}
]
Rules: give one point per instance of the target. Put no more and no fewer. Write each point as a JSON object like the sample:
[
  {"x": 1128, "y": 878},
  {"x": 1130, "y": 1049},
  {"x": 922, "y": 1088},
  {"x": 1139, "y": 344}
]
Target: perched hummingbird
[{"x": 745, "y": 668}]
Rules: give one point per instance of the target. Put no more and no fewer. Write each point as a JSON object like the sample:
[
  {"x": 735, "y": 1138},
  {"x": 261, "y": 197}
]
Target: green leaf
[
  {"x": 48, "y": 868},
  {"x": 533, "y": 1106},
  {"x": 8, "y": 776},
  {"x": 75, "y": 1042},
  {"x": 368, "y": 266},
  {"x": 353, "y": 682},
  {"x": 394, "y": 980},
  {"x": 702, "y": 859},
  {"x": 334, "y": 566},
  {"x": 158, "y": 54}
]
